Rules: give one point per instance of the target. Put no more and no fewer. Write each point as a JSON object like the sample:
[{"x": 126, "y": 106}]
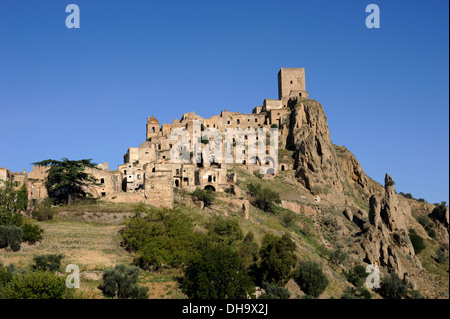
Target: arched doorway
[
  {"x": 177, "y": 183},
  {"x": 282, "y": 168},
  {"x": 210, "y": 187}
]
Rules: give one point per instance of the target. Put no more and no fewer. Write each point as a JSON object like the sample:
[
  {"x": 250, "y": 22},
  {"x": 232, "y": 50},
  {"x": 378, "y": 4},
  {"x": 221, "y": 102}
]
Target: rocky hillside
[{"x": 383, "y": 218}]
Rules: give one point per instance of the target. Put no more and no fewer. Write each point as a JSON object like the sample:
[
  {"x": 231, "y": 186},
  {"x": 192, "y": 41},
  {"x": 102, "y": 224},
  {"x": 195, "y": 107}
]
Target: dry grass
[{"x": 90, "y": 246}]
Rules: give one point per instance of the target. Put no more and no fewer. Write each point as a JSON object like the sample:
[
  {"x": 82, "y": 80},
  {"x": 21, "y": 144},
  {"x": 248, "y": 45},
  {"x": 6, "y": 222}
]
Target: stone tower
[
  {"x": 291, "y": 83},
  {"x": 152, "y": 127}
]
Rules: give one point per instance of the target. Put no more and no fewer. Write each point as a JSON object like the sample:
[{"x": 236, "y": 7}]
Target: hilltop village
[{"x": 149, "y": 175}]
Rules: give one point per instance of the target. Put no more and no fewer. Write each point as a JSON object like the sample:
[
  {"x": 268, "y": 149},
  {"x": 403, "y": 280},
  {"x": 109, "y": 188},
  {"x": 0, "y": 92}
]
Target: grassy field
[{"x": 94, "y": 247}]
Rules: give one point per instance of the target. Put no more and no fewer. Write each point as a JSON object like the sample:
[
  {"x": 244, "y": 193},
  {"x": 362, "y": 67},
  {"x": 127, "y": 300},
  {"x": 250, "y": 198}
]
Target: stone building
[{"x": 149, "y": 175}]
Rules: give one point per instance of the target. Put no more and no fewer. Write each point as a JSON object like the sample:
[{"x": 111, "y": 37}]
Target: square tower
[{"x": 291, "y": 83}]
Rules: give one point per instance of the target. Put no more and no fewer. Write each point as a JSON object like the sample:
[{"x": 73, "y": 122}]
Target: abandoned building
[{"x": 149, "y": 175}]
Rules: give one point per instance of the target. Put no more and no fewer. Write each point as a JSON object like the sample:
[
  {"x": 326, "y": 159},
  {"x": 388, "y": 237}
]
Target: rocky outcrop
[
  {"x": 323, "y": 168},
  {"x": 387, "y": 234},
  {"x": 390, "y": 212}
]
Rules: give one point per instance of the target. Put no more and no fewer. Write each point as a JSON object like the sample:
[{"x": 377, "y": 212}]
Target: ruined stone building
[{"x": 149, "y": 175}]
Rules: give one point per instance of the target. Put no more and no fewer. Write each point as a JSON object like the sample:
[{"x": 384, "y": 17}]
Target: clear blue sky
[{"x": 86, "y": 93}]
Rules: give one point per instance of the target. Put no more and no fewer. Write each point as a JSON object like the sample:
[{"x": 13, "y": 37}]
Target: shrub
[
  {"x": 36, "y": 285},
  {"x": 248, "y": 251},
  {"x": 288, "y": 218},
  {"x": 417, "y": 241},
  {"x": 273, "y": 291},
  {"x": 438, "y": 212},
  {"x": 274, "y": 126},
  {"x": 311, "y": 278},
  {"x": 226, "y": 230},
  {"x": 49, "y": 262},
  {"x": 264, "y": 198},
  {"x": 277, "y": 258},
  {"x": 392, "y": 287},
  {"x": 121, "y": 282},
  {"x": 11, "y": 237},
  {"x": 160, "y": 238},
  {"x": 5, "y": 276},
  {"x": 32, "y": 233},
  {"x": 8, "y": 218},
  {"x": 338, "y": 256},
  {"x": 216, "y": 274},
  {"x": 428, "y": 225},
  {"x": 441, "y": 255},
  {"x": 43, "y": 211},
  {"x": 206, "y": 196}
]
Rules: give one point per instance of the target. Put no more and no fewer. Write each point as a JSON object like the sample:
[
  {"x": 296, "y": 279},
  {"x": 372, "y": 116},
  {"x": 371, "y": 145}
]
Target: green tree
[
  {"x": 216, "y": 274},
  {"x": 311, "y": 278},
  {"x": 48, "y": 262},
  {"x": 438, "y": 212},
  {"x": 36, "y": 285},
  {"x": 121, "y": 282},
  {"x": 392, "y": 287},
  {"x": 32, "y": 233},
  {"x": 67, "y": 178},
  {"x": 206, "y": 196},
  {"x": 287, "y": 218},
  {"x": 338, "y": 256},
  {"x": 277, "y": 258},
  {"x": 264, "y": 197},
  {"x": 416, "y": 240},
  {"x": 356, "y": 275},
  {"x": 11, "y": 237},
  {"x": 12, "y": 202},
  {"x": 161, "y": 238},
  {"x": 273, "y": 291},
  {"x": 248, "y": 251},
  {"x": 226, "y": 230},
  {"x": 441, "y": 255}
]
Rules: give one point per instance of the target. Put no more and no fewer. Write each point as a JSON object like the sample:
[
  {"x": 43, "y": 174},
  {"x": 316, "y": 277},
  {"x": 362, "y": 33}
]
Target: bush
[
  {"x": 417, "y": 241},
  {"x": 50, "y": 262},
  {"x": 273, "y": 291},
  {"x": 43, "y": 211},
  {"x": 277, "y": 259},
  {"x": 8, "y": 218},
  {"x": 121, "y": 282},
  {"x": 392, "y": 287},
  {"x": 11, "y": 237},
  {"x": 338, "y": 256},
  {"x": 441, "y": 255},
  {"x": 288, "y": 218},
  {"x": 206, "y": 196},
  {"x": 36, "y": 285},
  {"x": 438, "y": 212},
  {"x": 216, "y": 274},
  {"x": 5, "y": 276},
  {"x": 356, "y": 275},
  {"x": 32, "y": 233},
  {"x": 311, "y": 278},
  {"x": 428, "y": 225},
  {"x": 226, "y": 230},
  {"x": 264, "y": 198},
  {"x": 160, "y": 238},
  {"x": 248, "y": 251},
  {"x": 358, "y": 293}
]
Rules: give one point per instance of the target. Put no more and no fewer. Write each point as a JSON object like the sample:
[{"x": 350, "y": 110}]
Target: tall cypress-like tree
[{"x": 67, "y": 178}]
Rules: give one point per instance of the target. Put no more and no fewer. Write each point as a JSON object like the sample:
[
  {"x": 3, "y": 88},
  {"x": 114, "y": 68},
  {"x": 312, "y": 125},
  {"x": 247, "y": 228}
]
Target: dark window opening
[
  {"x": 103, "y": 194},
  {"x": 177, "y": 183},
  {"x": 102, "y": 181}
]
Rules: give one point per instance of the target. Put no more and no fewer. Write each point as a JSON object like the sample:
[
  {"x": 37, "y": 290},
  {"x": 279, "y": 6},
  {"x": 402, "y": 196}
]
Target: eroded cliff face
[
  {"x": 332, "y": 172},
  {"x": 387, "y": 236},
  {"x": 325, "y": 169}
]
